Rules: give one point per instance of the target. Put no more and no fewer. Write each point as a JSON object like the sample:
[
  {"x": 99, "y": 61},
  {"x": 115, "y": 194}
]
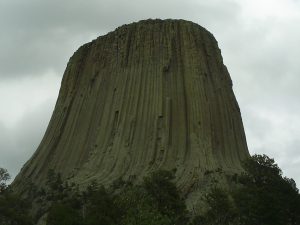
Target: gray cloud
[
  {"x": 41, "y": 35},
  {"x": 262, "y": 59},
  {"x": 259, "y": 45},
  {"x": 18, "y": 143},
  {"x": 275, "y": 133}
]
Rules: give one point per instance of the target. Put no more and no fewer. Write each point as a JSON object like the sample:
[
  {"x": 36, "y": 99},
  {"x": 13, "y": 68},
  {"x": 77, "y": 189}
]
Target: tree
[
  {"x": 261, "y": 196},
  {"x": 13, "y": 209},
  {"x": 160, "y": 186},
  {"x": 222, "y": 210},
  {"x": 265, "y": 197},
  {"x": 100, "y": 207},
  {"x": 63, "y": 214},
  {"x": 132, "y": 205},
  {"x": 4, "y": 177},
  {"x": 139, "y": 207}
]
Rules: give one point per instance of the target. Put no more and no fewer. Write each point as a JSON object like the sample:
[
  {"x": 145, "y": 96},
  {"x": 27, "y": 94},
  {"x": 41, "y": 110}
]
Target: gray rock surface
[{"x": 150, "y": 95}]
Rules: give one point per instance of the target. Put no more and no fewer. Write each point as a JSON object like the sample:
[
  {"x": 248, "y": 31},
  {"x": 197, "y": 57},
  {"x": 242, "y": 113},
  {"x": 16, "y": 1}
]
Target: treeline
[
  {"x": 156, "y": 201},
  {"x": 259, "y": 196}
]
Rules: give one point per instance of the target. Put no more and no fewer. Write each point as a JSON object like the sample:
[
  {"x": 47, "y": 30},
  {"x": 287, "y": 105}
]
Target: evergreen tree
[
  {"x": 13, "y": 209},
  {"x": 266, "y": 197},
  {"x": 4, "y": 177}
]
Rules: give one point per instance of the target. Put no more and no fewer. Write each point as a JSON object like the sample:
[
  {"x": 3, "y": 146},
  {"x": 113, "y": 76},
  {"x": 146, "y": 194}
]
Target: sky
[{"x": 259, "y": 40}]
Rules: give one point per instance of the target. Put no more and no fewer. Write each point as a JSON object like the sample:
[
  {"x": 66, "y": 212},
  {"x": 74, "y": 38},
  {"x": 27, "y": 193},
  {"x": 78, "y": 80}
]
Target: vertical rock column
[{"x": 149, "y": 95}]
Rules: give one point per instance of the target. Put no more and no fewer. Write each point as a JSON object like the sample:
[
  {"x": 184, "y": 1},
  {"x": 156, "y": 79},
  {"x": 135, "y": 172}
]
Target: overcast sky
[{"x": 259, "y": 39}]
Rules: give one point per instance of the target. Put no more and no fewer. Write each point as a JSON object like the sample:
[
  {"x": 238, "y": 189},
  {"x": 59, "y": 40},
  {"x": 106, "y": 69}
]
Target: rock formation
[{"x": 150, "y": 95}]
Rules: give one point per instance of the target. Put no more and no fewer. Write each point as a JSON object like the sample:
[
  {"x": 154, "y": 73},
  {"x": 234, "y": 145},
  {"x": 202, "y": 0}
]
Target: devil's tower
[{"x": 149, "y": 95}]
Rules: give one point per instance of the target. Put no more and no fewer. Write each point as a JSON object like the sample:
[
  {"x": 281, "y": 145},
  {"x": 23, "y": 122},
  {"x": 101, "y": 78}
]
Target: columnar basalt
[{"x": 150, "y": 95}]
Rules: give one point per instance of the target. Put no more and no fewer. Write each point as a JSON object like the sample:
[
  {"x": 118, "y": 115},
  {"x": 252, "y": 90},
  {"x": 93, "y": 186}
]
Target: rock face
[{"x": 149, "y": 95}]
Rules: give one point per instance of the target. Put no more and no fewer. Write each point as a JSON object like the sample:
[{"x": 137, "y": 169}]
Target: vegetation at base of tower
[
  {"x": 265, "y": 196},
  {"x": 154, "y": 202},
  {"x": 13, "y": 209},
  {"x": 260, "y": 195},
  {"x": 221, "y": 210}
]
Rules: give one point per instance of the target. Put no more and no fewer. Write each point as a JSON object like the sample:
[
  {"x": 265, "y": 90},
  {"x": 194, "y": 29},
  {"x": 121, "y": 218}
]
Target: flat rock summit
[{"x": 150, "y": 95}]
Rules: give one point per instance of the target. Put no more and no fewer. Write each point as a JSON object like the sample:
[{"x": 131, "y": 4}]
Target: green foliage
[
  {"x": 262, "y": 196},
  {"x": 4, "y": 177},
  {"x": 95, "y": 206},
  {"x": 266, "y": 197},
  {"x": 63, "y": 214},
  {"x": 54, "y": 181},
  {"x": 155, "y": 202},
  {"x": 100, "y": 208},
  {"x": 160, "y": 187},
  {"x": 222, "y": 210},
  {"x": 138, "y": 207},
  {"x": 13, "y": 209},
  {"x": 145, "y": 215},
  {"x": 260, "y": 170}
]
